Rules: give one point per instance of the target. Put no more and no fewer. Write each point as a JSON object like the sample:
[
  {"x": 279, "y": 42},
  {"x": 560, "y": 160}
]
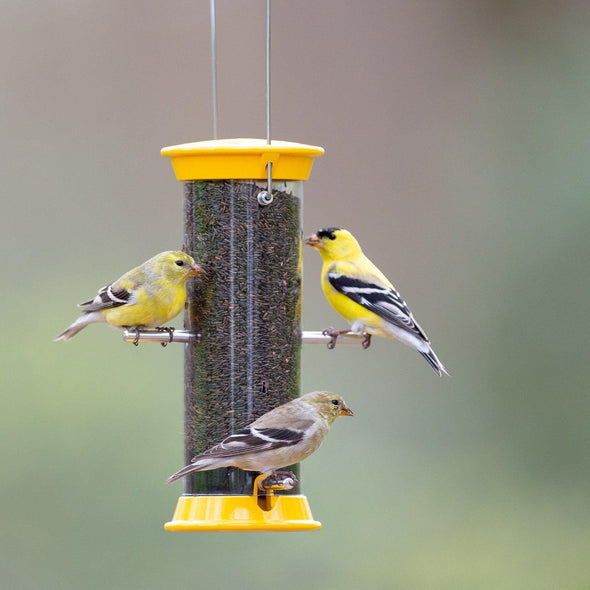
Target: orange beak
[
  {"x": 195, "y": 270},
  {"x": 346, "y": 411},
  {"x": 313, "y": 241}
]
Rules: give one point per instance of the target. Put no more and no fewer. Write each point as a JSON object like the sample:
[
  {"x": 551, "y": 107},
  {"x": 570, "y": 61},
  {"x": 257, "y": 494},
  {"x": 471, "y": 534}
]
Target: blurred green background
[{"x": 457, "y": 139}]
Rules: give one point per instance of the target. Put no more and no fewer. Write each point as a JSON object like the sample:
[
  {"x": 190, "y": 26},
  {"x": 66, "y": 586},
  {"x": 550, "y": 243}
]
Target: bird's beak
[
  {"x": 195, "y": 269},
  {"x": 312, "y": 241},
  {"x": 346, "y": 411}
]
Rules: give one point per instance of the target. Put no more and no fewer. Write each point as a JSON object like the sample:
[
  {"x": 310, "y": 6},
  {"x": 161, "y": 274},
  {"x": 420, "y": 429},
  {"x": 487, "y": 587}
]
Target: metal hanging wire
[
  {"x": 269, "y": 165},
  {"x": 265, "y": 197},
  {"x": 213, "y": 68},
  {"x": 268, "y": 73},
  {"x": 214, "y": 74}
]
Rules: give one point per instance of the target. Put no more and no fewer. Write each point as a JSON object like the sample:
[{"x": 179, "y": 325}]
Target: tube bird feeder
[{"x": 247, "y": 313}]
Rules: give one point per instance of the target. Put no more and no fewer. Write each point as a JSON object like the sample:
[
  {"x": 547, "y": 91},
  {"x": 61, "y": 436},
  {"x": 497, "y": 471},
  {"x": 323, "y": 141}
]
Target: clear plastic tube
[{"x": 248, "y": 312}]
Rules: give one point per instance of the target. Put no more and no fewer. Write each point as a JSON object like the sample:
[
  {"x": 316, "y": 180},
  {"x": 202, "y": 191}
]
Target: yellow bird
[
  {"x": 363, "y": 295},
  {"x": 145, "y": 297}
]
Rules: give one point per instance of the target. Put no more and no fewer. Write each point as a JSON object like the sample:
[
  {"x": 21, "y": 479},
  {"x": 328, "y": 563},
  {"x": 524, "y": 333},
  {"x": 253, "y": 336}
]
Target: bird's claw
[
  {"x": 170, "y": 331},
  {"x": 136, "y": 339},
  {"x": 366, "y": 341},
  {"x": 281, "y": 480},
  {"x": 333, "y": 333}
]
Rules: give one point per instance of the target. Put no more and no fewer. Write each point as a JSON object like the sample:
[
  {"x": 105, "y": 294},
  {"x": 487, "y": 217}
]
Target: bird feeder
[{"x": 243, "y": 320}]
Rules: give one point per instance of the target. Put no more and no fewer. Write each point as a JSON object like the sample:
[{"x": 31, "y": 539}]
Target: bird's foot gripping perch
[
  {"x": 333, "y": 333},
  {"x": 367, "y": 341},
  {"x": 278, "y": 480},
  {"x": 170, "y": 331},
  {"x": 265, "y": 487}
]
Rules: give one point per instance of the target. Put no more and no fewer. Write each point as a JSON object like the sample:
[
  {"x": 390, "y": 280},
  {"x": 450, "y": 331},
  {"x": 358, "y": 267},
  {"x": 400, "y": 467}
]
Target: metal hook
[{"x": 264, "y": 198}]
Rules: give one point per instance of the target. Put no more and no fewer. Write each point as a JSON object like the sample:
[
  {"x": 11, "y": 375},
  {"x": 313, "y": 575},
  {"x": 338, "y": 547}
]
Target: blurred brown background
[{"x": 457, "y": 148}]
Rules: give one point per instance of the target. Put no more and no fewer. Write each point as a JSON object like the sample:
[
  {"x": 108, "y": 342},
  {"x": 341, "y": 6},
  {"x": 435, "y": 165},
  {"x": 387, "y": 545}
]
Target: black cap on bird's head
[
  {"x": 326, "y": 233},
  {"x": 334, "y": 242}
]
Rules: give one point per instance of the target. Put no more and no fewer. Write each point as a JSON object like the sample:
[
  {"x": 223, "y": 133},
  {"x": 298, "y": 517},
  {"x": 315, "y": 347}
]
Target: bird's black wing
[
  {"x": 107, "y": 298},
  {"x": 383, "y": 301},
  {"x": 254, "y": 440}
]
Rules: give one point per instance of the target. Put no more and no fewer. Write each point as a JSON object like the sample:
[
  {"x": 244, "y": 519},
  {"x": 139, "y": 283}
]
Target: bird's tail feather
[
  {"x": 433, "y": 361},
  {"x": 79, "y": 324},
  {"x": 198, "y": 466}
]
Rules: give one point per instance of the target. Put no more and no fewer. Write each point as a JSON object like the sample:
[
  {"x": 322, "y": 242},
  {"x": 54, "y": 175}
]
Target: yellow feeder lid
[{"x": 241, "y": 158}]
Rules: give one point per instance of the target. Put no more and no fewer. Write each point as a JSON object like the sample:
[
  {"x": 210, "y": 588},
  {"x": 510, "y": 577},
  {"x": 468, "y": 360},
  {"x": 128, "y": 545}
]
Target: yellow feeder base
[{"x": 242, "y": 513}]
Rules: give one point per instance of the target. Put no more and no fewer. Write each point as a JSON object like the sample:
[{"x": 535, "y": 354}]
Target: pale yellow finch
[
  {"x": 363, "y": 295},
  {"x": 145, "y": 297},
  {"x": 286, "y": 435}
]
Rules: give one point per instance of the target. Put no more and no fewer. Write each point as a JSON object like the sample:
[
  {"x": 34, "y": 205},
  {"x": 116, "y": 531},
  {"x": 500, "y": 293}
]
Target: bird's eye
[
  {"x": 180, "y": 263},
  {"x": 335, "y": 402}
]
